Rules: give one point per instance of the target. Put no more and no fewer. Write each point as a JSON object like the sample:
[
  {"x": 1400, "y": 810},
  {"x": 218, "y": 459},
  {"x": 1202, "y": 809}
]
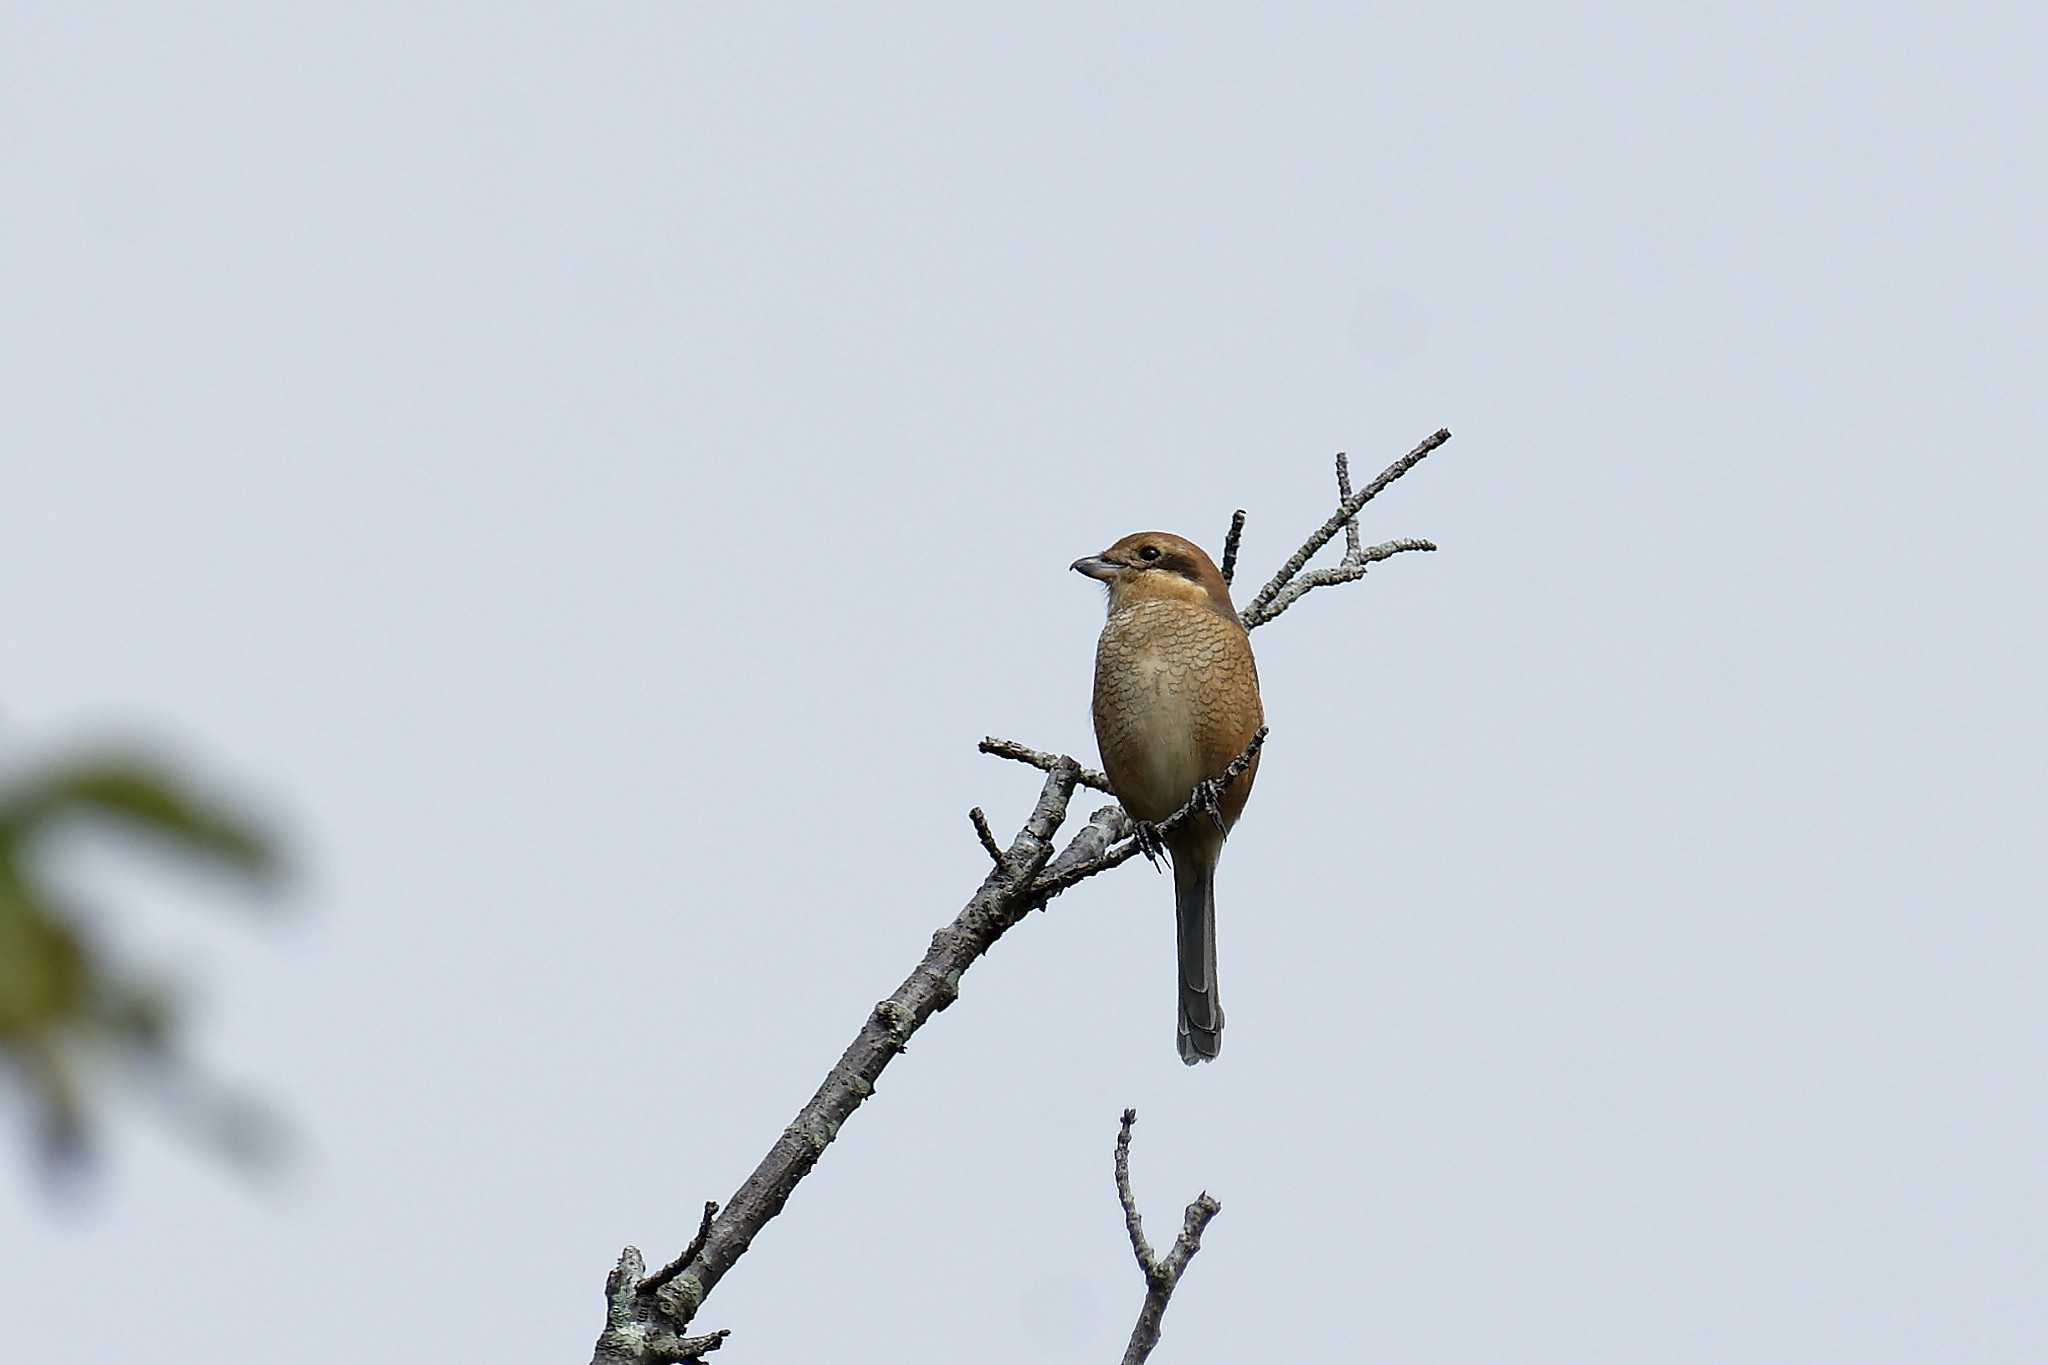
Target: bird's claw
[
  {"x": 1209, "y": 796},
  {"x": 1149, "y": 842}
]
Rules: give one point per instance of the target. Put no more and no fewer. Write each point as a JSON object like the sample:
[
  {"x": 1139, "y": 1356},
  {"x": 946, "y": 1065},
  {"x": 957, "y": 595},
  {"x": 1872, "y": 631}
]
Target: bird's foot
[
  {"x": 1209, "y": 796},
  {"x": 1149, "y": 842}
]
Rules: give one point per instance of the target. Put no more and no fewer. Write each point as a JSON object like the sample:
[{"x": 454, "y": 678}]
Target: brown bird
[{"x": 1176, "y": 699}]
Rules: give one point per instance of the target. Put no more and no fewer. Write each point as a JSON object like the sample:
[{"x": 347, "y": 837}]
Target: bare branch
[
  {"x": 986, "y": 835},
  {"x": 1230, "y": 544},
  {"x": 1025, "y": 877},
  {"x": 1262, "y": 608},
  {"x": 1161, "y": 1276},
  {"x": 641, "y": 1328},
  {"x": 1044, "y": 762}
]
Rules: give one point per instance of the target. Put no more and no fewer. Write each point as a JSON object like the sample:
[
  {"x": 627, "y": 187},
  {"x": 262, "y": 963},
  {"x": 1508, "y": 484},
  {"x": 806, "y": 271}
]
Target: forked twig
[
  {"x": 1283, "y": 591},
  {"x": 1161, "y": 1275}
]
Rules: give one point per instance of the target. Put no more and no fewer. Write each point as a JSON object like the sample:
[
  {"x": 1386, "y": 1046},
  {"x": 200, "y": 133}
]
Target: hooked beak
[{"x": 1098, "y": 566}]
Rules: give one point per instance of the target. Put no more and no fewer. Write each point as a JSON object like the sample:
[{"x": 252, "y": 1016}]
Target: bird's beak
[{"x": 1098, "y": 566}]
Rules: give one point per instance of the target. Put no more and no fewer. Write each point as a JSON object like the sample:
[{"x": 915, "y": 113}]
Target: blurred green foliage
[{"x": 64, "y": 1006}]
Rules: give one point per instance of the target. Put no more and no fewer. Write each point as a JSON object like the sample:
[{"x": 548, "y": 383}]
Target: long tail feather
[{"x": 1200, "y": 1034}]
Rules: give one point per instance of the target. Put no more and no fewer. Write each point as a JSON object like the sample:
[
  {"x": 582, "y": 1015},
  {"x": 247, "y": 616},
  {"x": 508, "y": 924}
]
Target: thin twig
[
  {"x": 986, "y": 835},
  {"x": 1044, "y": 762},
  {"x": 1344, "y": 496},
  {"x": 1387, "y": 549},
  {"x": 1230, "y": 545},
  {"x": 674, "y": 1268},
  {"x": 1161, "y": 1276},
  {"x": 1134, "y": 1223}
]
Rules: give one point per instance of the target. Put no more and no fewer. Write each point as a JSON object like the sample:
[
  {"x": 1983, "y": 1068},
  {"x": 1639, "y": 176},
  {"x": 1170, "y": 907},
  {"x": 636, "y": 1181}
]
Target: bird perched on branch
[{"x": 1176, "y": 699}]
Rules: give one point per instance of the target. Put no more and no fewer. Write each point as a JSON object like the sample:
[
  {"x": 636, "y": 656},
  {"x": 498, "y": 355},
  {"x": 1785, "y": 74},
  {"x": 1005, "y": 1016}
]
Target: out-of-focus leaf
[
  {"x": 142, "y": 797},
  {"x": 61, "y": 1002},
  {"x": 43, "y": 969}
]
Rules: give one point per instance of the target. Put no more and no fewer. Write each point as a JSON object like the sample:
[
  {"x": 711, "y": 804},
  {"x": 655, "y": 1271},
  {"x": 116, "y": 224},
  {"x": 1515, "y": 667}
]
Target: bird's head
[{"x": 1154, "y": 564}]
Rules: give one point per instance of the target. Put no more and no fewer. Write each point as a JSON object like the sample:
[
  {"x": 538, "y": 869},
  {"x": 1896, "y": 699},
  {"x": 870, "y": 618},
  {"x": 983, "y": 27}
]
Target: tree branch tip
[
  {"x": 1044, "y": 762},
  {"x": 1230, "y": 544},
  {"x": 703, "y": 1229},
  {"x": 626, "y": 1275},
  {"x": 986, "y": 835},
  {"x": 691, "y": 1350}
]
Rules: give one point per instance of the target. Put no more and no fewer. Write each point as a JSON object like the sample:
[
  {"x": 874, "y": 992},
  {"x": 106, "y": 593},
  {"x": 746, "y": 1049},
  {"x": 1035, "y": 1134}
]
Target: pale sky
[{"x": 595, "y": 472}]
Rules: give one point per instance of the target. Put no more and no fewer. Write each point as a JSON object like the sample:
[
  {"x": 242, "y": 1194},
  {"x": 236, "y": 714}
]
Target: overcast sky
[{"x": 595, "y": 472}]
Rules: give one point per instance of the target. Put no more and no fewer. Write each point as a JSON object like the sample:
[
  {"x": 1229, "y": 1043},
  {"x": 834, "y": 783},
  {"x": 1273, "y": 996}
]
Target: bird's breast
[{"x": 1176, "y": 697}]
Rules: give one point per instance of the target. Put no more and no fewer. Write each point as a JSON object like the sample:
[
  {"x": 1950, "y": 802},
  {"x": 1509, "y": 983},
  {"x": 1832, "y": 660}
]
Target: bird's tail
[{"x": 1200, "y": 1035}]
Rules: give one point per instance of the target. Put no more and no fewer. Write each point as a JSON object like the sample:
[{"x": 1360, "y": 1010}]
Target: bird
[{"x": 1176, "y": 700}]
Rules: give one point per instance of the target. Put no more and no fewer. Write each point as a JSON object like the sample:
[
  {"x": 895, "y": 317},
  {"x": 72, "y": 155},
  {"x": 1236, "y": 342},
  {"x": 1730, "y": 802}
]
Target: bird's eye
[{"x": 1149, "y": 552}]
